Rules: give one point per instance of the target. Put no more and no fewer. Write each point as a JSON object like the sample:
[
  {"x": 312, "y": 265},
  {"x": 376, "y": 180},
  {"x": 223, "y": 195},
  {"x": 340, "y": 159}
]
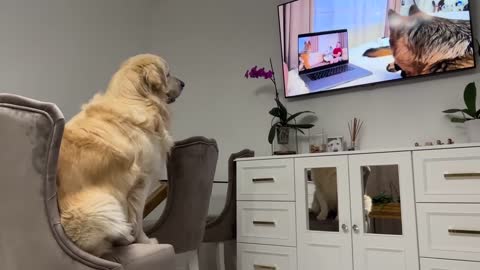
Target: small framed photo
[{"x": 335, "y": 144}]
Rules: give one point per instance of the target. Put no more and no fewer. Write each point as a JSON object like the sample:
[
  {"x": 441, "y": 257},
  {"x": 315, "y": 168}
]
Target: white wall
[
  {"x": 211, "y": 43},
  {"x": 63, "y": 51}
]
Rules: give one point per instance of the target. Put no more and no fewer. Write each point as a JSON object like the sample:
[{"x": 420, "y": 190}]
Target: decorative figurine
[{"x": 450, "y": 141}]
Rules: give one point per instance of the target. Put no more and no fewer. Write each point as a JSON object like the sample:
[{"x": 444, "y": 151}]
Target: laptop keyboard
[{"x": 329, "y": 72}]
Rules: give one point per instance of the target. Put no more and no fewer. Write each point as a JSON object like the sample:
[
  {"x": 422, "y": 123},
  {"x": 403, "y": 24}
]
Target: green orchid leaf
[
  {"x": 452, "y": 111},
  {"x": 275, "y": 112},
  {"x": 458, "y": 120},
  {"x": 301, "y": 126},
  {"x": 283, "y": 111},
  {"x": 470, "y": 97},
  {"x": 293, "y": 116},
  {"x": 469, "y": 113},
  {"x": 271, "y": 134}
]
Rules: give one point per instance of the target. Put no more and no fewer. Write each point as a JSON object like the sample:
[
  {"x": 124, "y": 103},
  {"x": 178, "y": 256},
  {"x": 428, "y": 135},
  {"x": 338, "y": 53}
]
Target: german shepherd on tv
[{"x": 423, "y": 44}]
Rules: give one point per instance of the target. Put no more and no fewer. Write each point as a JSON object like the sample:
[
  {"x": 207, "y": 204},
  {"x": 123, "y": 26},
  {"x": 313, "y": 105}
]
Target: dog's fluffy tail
[
  {"x": 378, "y": 52},
  {"x": 94, "y": 221}
]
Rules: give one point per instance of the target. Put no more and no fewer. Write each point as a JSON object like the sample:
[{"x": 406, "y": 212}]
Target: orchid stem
[{"x": 273, "y": 79}]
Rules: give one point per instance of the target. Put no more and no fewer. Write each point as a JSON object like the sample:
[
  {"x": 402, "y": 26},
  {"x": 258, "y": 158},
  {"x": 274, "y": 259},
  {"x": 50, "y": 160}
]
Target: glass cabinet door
[
  {"x": 383, "y": 212},
  {"x": 323, "y": 213}
]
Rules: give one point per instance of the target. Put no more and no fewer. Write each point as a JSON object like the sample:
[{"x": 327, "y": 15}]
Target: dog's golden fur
[{"x": 110, "y": 153}]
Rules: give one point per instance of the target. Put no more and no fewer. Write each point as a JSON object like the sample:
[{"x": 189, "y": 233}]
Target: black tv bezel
[
  {"x": 408, "y": 79},
  {"x": 313, "y": 70}
]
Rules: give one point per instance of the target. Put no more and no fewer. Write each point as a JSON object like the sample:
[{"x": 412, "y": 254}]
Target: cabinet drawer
[
  {"x": 265, "y": 180},
  {"x": 435, "y": 264},
  {"x": 270, "y": 223},
  {"x": 258, "y": 257},
  {"x": 450, "y": 231},
  {"x": 451, "y": 175}
]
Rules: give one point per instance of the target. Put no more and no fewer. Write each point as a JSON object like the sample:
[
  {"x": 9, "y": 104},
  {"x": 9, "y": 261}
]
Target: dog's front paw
[
  {"x": 129, "y": 239},
  {"x": 322, "y": 216},
  {"x": 153, "y": 240}
]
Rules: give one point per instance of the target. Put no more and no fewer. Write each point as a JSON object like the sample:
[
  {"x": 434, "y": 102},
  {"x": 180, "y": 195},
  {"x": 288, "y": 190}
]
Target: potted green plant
[
  {"x": 283, "y": 121},
  {"x": 470, "y": 115}
]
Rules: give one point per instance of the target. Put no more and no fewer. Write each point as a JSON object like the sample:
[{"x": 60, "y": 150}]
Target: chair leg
[
  {"x": 193, "y": 260},
  {"x": 220, "y": 256}
]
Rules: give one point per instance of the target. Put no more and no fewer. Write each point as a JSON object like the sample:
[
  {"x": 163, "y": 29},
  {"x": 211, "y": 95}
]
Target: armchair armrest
[{"x": 79, "y": 255}]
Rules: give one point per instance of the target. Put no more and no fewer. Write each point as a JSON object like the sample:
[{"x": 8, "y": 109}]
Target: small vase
[
  {"x": 353, "y": 146},
  {"x": 286, "y": 141},
  {"x": 283, "y": 135},
  {"x": 473, "y": 130}
]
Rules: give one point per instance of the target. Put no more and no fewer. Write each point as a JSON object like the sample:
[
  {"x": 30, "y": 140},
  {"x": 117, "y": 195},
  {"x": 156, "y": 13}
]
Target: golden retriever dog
[
  {"x": 325, "y": 198},
  {"x": 111, "y": 151}
]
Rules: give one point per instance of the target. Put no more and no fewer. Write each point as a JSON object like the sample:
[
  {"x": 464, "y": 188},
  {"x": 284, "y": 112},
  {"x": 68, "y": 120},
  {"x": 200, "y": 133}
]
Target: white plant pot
[{"x": 473, "y": 130}]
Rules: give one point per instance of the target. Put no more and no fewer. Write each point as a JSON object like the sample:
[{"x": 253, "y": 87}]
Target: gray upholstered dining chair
[
  {"x": 191, "y": 169},
  {"x": 223, "y": 228},
  {"x": 31, "y": 236}
]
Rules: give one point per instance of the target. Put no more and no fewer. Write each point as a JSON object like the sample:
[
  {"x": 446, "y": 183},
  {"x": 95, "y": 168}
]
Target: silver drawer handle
[
  {"x": 460, "y": 175},
  {"x": 266, "y": 267},
  {"x": 264, "y": 223},
  {"x": 262, "y": 180},
  {"x": 455, "y": 231}
]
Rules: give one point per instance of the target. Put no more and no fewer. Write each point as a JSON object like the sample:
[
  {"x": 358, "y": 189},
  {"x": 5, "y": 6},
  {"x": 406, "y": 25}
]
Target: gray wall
[
  {"x": 211, "y": 43},
  {"x": 64, "y": 51}
]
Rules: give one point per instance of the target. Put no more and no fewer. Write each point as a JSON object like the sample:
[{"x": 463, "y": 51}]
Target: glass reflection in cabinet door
[
  {"x": 322, "y": 199},
  {"x": 381, "y": 200}
]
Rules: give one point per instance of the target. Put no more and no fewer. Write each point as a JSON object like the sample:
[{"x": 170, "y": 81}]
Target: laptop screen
[{"x": 318, "y": 51}]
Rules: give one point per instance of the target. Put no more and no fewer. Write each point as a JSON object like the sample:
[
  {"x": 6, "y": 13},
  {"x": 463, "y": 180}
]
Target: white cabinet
[
  {"x": 266, "y": 218},
  {"x": 379, "y": 234},
  {"x": 270, "y": 223},
  {"x": 323, "y": 244},
  {"x": 449, "y": 175},
  {"x": 386, "y": 236},
  {"x": 265, "y": 180},
  {"x": 436, "y": 264},
  {"x": 404, "y": 209},
  {"x": 449, "y": 231},
  {"x": 261, "y": 257}
]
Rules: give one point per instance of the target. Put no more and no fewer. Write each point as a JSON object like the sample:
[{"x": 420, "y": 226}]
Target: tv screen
[{"x": 332, "y": 45}]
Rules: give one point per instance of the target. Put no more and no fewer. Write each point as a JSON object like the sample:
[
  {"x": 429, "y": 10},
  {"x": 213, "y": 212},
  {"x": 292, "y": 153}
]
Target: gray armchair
[
  {"x": 31, "y": 236},
  {"x": 191, "y": 169},
  {"x": 223, "y": 228}
]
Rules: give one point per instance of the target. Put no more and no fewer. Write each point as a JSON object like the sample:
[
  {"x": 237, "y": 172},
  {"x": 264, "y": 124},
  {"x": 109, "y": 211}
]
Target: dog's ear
[
  {"x": 154, "y": 78},
  {"x": 395, "y": 20},
  {"x": 413, "y": 10}
]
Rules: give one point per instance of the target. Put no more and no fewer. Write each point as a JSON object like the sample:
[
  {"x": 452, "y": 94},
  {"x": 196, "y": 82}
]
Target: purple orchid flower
[{"x": 256, "y": 73}]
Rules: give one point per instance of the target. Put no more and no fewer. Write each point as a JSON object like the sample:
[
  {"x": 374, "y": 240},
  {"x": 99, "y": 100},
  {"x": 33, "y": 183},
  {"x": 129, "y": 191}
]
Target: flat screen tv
[{"x": 332, "y": 45}]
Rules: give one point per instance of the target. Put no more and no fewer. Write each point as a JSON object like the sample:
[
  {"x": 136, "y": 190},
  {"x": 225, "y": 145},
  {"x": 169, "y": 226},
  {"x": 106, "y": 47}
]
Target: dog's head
[
  {"x": 424, "y": 44},
  {"x": 150, "y": 76},
  {"x": 335, "y": 145},
  {"x": 407, "y": 38}
]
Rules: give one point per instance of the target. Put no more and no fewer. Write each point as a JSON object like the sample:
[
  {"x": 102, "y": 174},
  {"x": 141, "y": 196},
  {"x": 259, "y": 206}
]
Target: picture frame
[{"x": 335, "y": 144}]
